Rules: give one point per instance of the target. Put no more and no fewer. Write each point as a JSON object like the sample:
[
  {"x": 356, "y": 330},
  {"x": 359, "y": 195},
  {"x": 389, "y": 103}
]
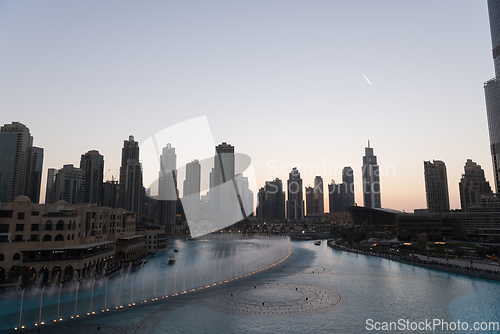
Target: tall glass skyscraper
[
  {"x": 371, "y": 180},
  {"x": 492, "y": 91}
]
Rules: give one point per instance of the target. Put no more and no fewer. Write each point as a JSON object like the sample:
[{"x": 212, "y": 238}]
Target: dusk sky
[{"x": 288, "y": 83}]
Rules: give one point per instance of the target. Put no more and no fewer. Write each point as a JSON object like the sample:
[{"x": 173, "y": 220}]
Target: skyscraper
[
  {"x": 336, "y": 197},
  {"x": 167, "y": 182},
  {"x": 295, "y": 202},
  {"x": 436, "y": 186},
  {"x": 225, "y": 198},
  {"x": 92, "y": 165},
  {"x": 130, "y": 150},
  {"x": 35, "y": 174},
  {"x": 50, "y": 190},
  {"x": 18, "y": 175},
  {"x": 68, "y": 185},
  {"x": 371, "y": 180},
  {"x": 310, "y": 202},
  {"x": 191, "y": 191},
  {"x": 492, "y": 91},
  {"x": 273, "y": 201},
  {"x": 348, "y": 193},
  {"x": 472, "y": 185},
  {"x": 319, "y": 197}
]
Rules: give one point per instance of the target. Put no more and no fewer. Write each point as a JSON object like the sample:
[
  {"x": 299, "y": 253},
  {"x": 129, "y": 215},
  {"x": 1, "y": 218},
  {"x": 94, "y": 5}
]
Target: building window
[
  {"x": 60, "y": 225},
  {"x": 18, "y": 238},
  {"x": 4, "y": 228},
  {"x": 35, "y": 213},
  {"x": 5, "y": 214},
  {"x": 48, "y": 226},
  {"x": 34, "y": 227},
  {"x": 20, "y": 215},
  {"x": 19, "y": 227},
  {"x": 47, "y": 237},
  {"x": 16, "y": 257},
  {"x": 2, "y": 257},
  {"x": 34, "y": 237}
]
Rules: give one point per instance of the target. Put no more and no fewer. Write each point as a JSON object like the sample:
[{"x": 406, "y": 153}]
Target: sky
[{"x": 288, "y": 83}]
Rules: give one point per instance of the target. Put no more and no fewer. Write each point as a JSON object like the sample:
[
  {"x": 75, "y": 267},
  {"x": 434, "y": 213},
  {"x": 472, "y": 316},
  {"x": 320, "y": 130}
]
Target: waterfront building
[
  {"x": 65, "y": 242},
  {"x": 473, "y": 185},
  {"x": 371, "y": 180},
  {"x": 295, "y": 202},
  {"x": 492, "y": 91},
  {"x": 436, "y": 186},
  {"x": 92, "y": 165},
  {"x": 20, "y": 165}
]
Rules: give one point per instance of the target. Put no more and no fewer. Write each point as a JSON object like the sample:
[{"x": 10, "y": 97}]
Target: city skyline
[{"x": 301, "y": 67}]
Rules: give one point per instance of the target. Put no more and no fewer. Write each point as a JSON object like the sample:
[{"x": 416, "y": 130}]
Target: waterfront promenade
[{"x": 457, "y": 265}]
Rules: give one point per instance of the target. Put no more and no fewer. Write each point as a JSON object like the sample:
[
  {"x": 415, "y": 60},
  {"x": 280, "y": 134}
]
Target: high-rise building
[
  {"x": 319, "y": 197},
  {"x": 111, "y": 189},
  {"x": 134, "y": 189},
  {"x": 436, "y": 186},
  {"x": 295, "y": 202},
  {"x": 50, "y": 190},
  {"x": 371, "y": 180},
  {"x": 348, "y": 181},
  {"x": 68, "y": 185},
  {"x": 35, "y": 174},
  {"x": 223, "y": 194},
  {"x": 246, "y": 195},
  {"x": 310, "y": 202},
  {"x": 167, "y": 181},
  {"x": 167, "y": 188},
  {"x": 92, "y": 165},
  {"x": 472, "y": 185},
  {"x": 336, "y": 197},
  {"x": 191, "y": 191},
  {"x": 130, "y": 150},
  {"x": 492, "y": 91},
  {"x": 272, "y": 201},
  {"x": 18, "y": 174}
]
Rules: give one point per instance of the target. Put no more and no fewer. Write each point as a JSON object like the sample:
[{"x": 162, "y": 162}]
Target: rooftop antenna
[{"x": 368, "y": 143}]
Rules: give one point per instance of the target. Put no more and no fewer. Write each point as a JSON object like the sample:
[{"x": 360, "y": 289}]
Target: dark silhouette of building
[
  {"x": 371, "y": 180},
  {"x": 295, "y": 202},
  {"x": 473, "y": 185},
  {"x": 436, "y": 186},
  {"x": 92, "y": 165}
]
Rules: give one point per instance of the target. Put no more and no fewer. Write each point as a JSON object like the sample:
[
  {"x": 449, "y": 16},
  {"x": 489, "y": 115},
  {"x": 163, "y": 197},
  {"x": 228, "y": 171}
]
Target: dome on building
[
  {"x": 22, "y": 199},
  {"x": 61, "y": 202}
]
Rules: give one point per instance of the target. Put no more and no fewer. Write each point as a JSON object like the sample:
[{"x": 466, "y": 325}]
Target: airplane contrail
[{"x": 365, "y": 78}]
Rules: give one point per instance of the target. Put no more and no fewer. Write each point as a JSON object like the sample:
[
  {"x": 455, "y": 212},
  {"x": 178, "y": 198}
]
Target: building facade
[
  {"x": 295, "y": 201},
  {"x": 92, "y": 165},
  {"x": 20, "y": 163},
  {"x": 64, "y": 242},
  {"x": 371, "y": 180},
  {"x": 473, "y": 185},
  {"x": 130, "y": 151},
  {"x": 436, "y": 186},
  {"x": 492, "y": 91}
]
